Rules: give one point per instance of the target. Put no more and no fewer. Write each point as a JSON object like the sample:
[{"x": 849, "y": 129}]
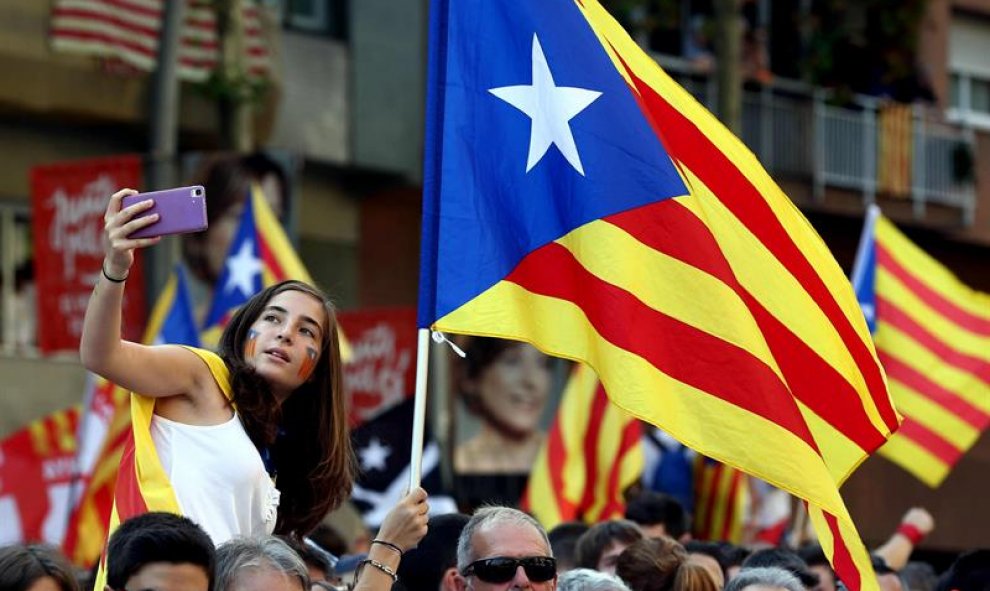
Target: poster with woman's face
[{"x": 505, "y": 394}]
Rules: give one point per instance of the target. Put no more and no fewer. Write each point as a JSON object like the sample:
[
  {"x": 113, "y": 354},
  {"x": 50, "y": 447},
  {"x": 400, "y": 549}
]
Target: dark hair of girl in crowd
[
  {"x": 23, "y": 565},
  {"x": 307, "y": 434}
]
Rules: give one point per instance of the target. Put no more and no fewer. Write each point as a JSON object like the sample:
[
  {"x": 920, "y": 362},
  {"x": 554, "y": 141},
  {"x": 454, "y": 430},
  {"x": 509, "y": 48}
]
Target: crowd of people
[{"x": 497, "y": 547}]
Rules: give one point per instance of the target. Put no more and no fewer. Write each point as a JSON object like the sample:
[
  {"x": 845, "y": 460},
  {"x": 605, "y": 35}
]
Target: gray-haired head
[
  {"x": 249, "y": 556},
  {"x": 585, "y": 579},
  {"x": 765, "y": 576},
  {"x": 487, "y": 518}
]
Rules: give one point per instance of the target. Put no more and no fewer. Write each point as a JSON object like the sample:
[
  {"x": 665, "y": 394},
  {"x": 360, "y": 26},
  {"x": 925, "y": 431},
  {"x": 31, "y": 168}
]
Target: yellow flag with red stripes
[
  {"x": 932, "y": 334},
  {"x": 721, "y": 498},
  {"x": 593, "y": 452}
]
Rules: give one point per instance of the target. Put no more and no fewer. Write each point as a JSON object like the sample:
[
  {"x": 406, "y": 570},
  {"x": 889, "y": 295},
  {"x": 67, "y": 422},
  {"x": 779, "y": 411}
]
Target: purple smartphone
[{"x": 180, "y": 211}]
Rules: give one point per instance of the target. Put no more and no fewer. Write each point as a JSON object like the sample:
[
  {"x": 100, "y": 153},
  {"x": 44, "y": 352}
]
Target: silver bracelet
[{"x": 382, "y": 567}]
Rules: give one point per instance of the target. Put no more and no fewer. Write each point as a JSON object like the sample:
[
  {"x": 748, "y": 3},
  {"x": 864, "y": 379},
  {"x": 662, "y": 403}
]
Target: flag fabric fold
[
  {"x": 932, "y": 334},
  {"x": 577, "y": 198},
  {"x": 592, "y": 453}
]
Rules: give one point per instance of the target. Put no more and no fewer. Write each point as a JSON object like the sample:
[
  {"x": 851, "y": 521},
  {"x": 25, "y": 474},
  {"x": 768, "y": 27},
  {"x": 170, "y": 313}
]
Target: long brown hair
[{"x": 307, "y": 434}]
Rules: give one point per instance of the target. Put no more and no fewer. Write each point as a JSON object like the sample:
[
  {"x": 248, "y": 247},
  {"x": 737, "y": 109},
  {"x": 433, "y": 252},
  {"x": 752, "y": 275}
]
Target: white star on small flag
[
  {"x": 373, "y": 456},
  {"x": 241, "y": 269},
  {"x": 550, "y": 107}
]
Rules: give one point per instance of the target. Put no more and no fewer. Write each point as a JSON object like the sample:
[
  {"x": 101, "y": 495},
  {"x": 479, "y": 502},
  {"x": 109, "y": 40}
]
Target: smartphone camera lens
[{"x": 197, "y": 192}]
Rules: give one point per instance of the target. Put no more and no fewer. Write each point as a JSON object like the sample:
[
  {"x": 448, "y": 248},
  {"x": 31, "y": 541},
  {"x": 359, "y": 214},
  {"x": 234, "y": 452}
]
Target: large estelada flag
[
  {"x": 260, "y": 255},
  {"x": 94, "y": 517},
  {"x": 932, "y": 334},
  {"x": 577, "y": 198},
  {"x": 592, "y": 453}
]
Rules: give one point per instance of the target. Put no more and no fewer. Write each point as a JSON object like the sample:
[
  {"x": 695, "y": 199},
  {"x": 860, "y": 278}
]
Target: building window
[
  {"x": 320, "y": 17},
  {"x": 18, "y": 320},
  {"x": 969, "y": 82}
]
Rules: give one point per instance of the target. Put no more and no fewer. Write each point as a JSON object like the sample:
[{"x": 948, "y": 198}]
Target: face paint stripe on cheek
[
  {"x": 306, "y": 368},
  {"x": 252, "y": 342}
]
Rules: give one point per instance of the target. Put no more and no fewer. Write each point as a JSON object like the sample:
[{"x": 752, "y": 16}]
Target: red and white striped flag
[{"x": 128, "y": 30}]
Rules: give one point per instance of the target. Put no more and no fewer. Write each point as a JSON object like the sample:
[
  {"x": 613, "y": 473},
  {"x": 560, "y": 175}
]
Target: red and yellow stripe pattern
[
  {"x": 593, "y": 452},
  {"x": 720, "y": 316},
  {"x": 721, "y": 495},
  {"x": 142, "y": 484},
  {"x": 933, "y": 338}
]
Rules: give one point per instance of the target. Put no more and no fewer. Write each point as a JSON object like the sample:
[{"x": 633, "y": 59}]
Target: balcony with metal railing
[{"x": 865, "y": 146}]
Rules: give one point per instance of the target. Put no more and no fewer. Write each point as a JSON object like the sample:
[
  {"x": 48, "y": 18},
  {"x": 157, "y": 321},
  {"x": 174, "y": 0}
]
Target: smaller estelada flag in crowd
[
  {"x": 260, "y": 255},
  {"x": 383, "y": 453},
  {"x": 932, "y": 334},
  {"x": 592, "y": 453},
  {"x": 36, "y": 472}
]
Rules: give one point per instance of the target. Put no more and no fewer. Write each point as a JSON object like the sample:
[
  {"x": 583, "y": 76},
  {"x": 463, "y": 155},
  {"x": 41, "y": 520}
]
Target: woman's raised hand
[
  {"x": 118, "y": 224},
  {"x": 405, "y": 524}
]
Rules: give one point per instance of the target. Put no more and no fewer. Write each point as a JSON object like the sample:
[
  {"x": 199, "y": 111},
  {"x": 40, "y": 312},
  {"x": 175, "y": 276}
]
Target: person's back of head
[
  {"x": 424, "y": 567},
  {"x": 150, "y": 544},
  {"x": 266, "y": 561},
  {"x": 918, "y": 576},
  {"x": 585, "y": 579},
  {"x": 318, "y": 561},
  {"x": 764, "y": 578},
  {"x": 715, "y": 551},
  {"x": 651, "y": 564},
  {"x": 563, "y": 540},
  {"x": 22, "y": 566},
  {"x": 658, "y": 514},
  {"x": 970, "y": 572},
  {"x": 785, "y": 559},
  {"x": 693, "y": 576},
  {"x": 597, "y": 540},
  {"x": 818, "y": 563},
  {"x": 734, "y": 557}
]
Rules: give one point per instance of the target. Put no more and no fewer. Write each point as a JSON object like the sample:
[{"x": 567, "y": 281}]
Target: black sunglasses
[{"x": 501, "y": 569}]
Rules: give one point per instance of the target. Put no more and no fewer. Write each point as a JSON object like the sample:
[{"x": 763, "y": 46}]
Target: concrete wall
[
  {"x": 33, "y": 388},
  {"x": 388, "y": 53}
]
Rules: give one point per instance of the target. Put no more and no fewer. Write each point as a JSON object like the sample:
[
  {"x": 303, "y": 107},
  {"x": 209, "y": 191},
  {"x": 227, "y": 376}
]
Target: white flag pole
[{"x": 419, "y": 409}]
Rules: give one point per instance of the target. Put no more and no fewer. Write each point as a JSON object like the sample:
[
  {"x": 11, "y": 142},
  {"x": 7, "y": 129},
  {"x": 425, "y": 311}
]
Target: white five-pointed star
[
  {"x": 241, "y": 269},
  {"x": 373, "y": 457},
  {"x": 550, "y": 107}
]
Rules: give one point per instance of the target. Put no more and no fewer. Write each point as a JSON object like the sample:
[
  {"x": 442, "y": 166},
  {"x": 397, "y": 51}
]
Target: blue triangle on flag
[{"x": 242, "y": 273}]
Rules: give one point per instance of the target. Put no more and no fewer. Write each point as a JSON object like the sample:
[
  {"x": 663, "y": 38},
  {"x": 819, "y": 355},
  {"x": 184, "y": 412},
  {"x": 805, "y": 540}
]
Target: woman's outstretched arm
[{"x": 153, "y": 371}]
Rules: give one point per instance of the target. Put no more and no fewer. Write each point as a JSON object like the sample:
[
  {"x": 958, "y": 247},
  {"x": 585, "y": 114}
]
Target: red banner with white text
[
  {"x": 380, "y": 373},
  {"x": 68, "y": 203}
]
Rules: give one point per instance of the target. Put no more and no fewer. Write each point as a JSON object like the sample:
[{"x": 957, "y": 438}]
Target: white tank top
[{"x": 218, "y": 477}]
